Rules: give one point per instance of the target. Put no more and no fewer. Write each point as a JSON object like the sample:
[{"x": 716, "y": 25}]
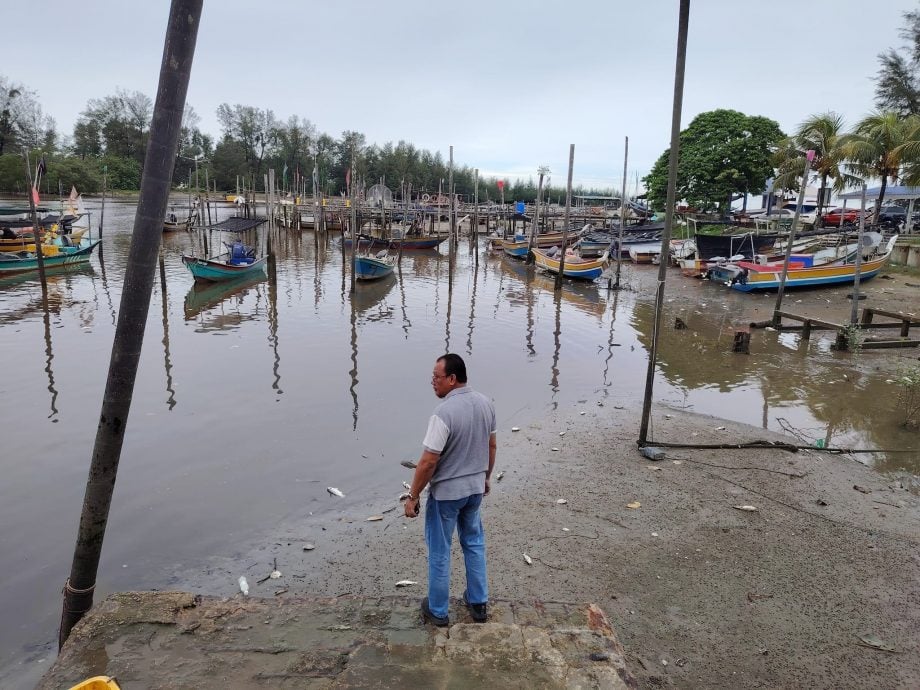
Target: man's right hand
[
  {"x": 411, "y": 507},
  {"x": 488, "y": 487}
]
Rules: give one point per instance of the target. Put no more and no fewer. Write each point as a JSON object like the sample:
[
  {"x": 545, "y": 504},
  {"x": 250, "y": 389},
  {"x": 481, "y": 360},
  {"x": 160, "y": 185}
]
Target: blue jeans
[{"x": 441, "y": 517}]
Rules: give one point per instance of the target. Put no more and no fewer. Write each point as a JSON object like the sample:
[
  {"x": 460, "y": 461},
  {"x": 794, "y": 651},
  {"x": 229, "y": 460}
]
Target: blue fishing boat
[
  {"x": 518, "y": 246},
  {"x": 373, "y": 267},
  {"x": 52, "y": 255},
  {"x": 240, "y": 261}
]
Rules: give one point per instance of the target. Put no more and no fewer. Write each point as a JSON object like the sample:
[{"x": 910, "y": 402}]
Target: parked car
[
  {"x": 808, "y": 214},
  {"x": 892, "y": 215},
  {"x": 832, "y": 217}
]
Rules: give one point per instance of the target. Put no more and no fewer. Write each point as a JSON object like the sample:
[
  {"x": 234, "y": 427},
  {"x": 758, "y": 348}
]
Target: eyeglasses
[{"x": 435, "y": 377}]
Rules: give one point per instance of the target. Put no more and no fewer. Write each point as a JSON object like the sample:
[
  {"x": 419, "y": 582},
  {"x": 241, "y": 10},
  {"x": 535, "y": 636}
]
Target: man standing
[{"x": 457, "y": 459}]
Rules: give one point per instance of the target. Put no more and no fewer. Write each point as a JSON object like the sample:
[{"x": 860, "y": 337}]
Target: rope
[{"x": 778, "y": 445}]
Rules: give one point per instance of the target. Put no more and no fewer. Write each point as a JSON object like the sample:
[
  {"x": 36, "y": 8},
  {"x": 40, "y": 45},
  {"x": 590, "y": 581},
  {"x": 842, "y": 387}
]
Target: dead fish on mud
[
  {"x": 407, "y": 486},
  {"x": 498, "y": 477},
  {"x": 335, "y": 492},
  {"x": 528, "y": 560},
  {"x": 408, "y": 463},
  {"x": 406, "y": 583}
]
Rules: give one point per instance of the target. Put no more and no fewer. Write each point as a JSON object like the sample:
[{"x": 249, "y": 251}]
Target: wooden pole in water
[
  {"x": 354, "y": 225},
  {"x": 809, "y": 156},
  {"x": 36, "y": 227},
  {"x": 859, "y": 237},
  {"x": 450, "y": 190},
  {"x": 565, "y": 223},
  {"x": 179, "y": 49},
  {"x": 542, "y": 170},
  {"x": 474, "y": 233},
  {"x": 681, "y": 61},
  {"x": 622, "y": 215},
  {"x": 105, "y": 179}
]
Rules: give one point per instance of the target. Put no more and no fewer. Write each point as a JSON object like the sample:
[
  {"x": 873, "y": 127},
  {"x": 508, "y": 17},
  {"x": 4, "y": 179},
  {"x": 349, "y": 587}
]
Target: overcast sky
[{"x": 510, "y": 84}]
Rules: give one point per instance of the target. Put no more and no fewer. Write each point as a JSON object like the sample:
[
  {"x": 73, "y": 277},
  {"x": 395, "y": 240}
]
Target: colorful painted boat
[
  {"x": 26, "y": 242},
  {"x": 422, "y": 242},
  {"x": 374, "y": 267},
  {"x": 754, "y": 276},
  {"x": 518, "y": 246},
  {"x": 575, "y": 266},
  {"x": 240, "y": 262},
  {"x": 52, "y": 255}
]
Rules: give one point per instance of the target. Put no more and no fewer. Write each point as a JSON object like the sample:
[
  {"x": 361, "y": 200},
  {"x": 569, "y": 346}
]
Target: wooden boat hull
[
  {"x": 26, "y": 243},
  {"x": 756, "y": 277},
  {"x": 516, "y": 248},
  {"x": 580, "y": 269},
  {"x": 369, "y": 268},
  {"x": 406, "y": 242},
  {"x": 23, "y": 262},
  {"x": 214, "y": 271}
]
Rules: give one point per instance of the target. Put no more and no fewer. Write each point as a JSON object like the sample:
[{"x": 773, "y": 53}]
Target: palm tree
[
  {"x": 881, "y": 144},
  {"x": 824, "y": 134}
]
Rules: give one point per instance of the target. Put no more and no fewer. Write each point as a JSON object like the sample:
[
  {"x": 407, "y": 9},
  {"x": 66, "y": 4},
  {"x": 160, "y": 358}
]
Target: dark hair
[{"x": 454, "y": 364}]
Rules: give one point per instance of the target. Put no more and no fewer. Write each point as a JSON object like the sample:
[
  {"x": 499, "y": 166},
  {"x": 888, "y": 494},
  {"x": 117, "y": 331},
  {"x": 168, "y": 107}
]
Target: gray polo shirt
[{"x": 459, "y": 430}]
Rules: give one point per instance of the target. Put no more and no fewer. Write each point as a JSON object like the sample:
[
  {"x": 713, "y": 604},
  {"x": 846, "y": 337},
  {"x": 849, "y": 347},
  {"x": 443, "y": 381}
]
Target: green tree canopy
[
  {"x": 722, "y": 153},
  {"x": 898, "y": 86}
]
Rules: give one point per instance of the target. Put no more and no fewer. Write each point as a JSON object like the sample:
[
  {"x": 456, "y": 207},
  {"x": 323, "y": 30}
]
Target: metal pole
[
  {"x": 565, "y": 223},
  {"x": 450, "y": 190},
  {"x": 809, "y": 156},
  {"x": 683, "y": 20},
  {"x": 178, "y": 51},
  {"x": 354, "y": 224},
  {"x": 859, "y": 236},
  {"x": 622, "y": 214}
]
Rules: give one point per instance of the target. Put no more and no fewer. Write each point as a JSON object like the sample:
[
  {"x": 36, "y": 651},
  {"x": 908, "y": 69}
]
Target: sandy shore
[{"x": 700, "y": 593}]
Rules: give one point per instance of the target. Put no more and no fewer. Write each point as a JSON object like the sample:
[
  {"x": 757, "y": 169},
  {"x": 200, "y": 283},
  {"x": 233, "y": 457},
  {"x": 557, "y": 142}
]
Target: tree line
[{"x": 110, "y": 137}]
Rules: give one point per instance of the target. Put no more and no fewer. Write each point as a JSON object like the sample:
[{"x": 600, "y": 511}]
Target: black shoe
[
  {"x": 479, "y": 612},
  {"x": 429, "y": 617}
]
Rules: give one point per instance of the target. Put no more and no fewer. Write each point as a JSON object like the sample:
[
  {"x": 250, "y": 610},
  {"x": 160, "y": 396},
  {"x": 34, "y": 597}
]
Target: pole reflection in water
[
  {"x": 171, "y": 400},
  {"x": 450, "y": 295},
  {"x": 406, "y": 323},
  {"x": 469, "y": 336},
  {"x": 49, "y": 357},
  {"x": 528, "y": 292},
  {"x": 610, "y": 343},
  {"x": 353, "y": 388},
  {"x": 557, "y": 346},
  {"x": 273, "y": 321}
]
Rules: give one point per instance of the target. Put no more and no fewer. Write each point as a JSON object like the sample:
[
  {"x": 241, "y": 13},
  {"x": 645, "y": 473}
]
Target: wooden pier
[{"x": 844, "y": 332}]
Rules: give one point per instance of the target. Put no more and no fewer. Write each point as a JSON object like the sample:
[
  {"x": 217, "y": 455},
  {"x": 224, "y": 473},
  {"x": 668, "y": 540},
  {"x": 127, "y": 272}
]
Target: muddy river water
[{"x": 252, "y": 398}]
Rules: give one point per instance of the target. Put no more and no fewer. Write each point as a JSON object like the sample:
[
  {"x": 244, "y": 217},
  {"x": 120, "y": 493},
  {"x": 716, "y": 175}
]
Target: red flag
[
  {"x": 34, "y": 196},
  {"x": 501, "y": 185}
]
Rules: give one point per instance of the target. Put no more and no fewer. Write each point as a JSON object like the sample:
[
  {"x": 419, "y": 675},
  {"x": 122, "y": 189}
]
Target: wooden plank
[
  {"x": 913, "y": 320},
  {"x": 880, "y": 344}
]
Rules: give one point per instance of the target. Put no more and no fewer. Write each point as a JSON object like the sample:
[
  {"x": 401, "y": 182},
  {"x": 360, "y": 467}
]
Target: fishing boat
[
  {"x": 575, "y": 265},
  {"x": 369, "y": 267},
  {"x": 517, "y": 246},
  {"x": 174, "y": 223},
  {"x": 239, "y": 261},
  {"x": 804, "y": 271},
  {"x": 645, "y": 252},
  {"x": 52, "y": 255},
  {"x": 410, "y": 242},
  {"x": 25, "y": 242}
]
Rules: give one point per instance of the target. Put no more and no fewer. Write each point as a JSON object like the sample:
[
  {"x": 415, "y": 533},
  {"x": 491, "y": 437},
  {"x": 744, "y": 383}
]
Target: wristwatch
[{"x": 412, "y": 498}]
